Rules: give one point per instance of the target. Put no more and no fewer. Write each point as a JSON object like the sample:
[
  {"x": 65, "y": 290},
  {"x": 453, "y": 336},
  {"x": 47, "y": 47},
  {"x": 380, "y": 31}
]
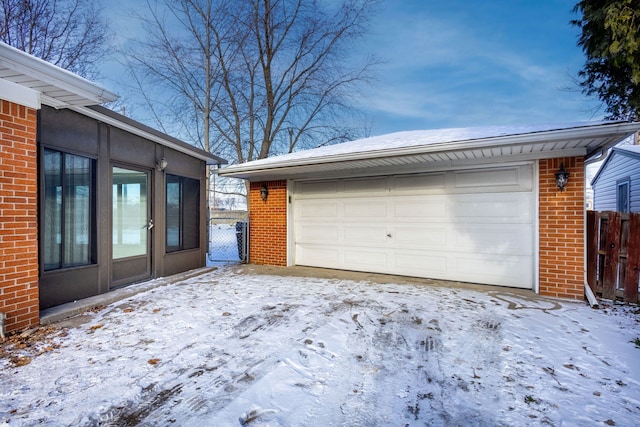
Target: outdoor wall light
[
  {"x": 161, "y": 164},
  {"x": 264, "y": 192},
  {"x": 562, "y": 177}
]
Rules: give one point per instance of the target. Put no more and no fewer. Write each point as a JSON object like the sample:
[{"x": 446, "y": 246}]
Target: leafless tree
[
  {"x": 68, "y": 33},
  {"x": 247, "y": 79}
]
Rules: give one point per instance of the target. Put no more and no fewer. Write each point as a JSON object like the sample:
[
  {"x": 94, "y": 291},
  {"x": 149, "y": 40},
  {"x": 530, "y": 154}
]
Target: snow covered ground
[{"x": 229, "y": 348}]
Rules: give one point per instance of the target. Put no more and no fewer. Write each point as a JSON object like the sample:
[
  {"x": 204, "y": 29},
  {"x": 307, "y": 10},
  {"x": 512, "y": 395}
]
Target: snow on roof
[
  {"x": 406, "y": 149},
  {"x": 419, "y": 138}
]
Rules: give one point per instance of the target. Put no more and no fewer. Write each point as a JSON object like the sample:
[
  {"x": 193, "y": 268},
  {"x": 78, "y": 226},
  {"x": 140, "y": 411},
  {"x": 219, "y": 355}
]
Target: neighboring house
[
  {"x": 476, "y": 205},
  {"x": 616, "y": 185},
  {"x": 89, "y": 199}
]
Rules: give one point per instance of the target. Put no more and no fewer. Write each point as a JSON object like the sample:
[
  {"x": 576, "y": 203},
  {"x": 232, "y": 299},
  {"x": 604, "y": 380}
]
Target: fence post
[
  {"x": 632, "y": 273},
  {"x": 612, "y": 252},
  {"x": 592, "y": 249}
]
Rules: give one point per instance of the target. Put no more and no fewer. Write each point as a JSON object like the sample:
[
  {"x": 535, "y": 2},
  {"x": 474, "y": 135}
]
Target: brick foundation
[
  {"x": 562, "y": 230},
  {"x": 268, "y": 224},
  {"x": 18, "y": 216}
]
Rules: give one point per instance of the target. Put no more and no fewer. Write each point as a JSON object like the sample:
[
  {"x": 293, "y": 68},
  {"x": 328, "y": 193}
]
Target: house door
[{"x": 131, "y": 224}]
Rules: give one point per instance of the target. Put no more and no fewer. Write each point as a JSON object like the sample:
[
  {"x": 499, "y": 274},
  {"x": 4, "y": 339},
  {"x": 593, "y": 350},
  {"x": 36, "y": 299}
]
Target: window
[
  {"x": 622, "y": 197},
  {"x": 183, "y": 213},
  {"x": 68, "y": 210}
]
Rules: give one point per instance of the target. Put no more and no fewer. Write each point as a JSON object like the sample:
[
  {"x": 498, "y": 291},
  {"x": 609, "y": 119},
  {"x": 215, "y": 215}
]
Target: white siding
[{"x": 618, "y": 168}]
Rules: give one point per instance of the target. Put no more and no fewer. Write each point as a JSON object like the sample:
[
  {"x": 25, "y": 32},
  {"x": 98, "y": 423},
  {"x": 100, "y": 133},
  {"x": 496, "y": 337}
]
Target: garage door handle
[{"x": 388, "y": 234}]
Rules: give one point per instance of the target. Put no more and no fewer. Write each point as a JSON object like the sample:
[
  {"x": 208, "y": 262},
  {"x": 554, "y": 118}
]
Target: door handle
[{"x": 150, "y": 225}]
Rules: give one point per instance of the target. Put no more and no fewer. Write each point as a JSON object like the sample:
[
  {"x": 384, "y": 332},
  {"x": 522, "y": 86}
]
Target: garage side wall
[
  {"x": 18, "y": 217},
  {"x": 561, "y": 229},
  {"x": 268, "y": 224}
]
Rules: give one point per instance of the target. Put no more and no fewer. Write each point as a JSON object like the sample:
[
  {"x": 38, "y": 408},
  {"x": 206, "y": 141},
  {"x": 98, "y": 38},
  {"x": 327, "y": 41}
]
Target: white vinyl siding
[
  {"x": 467, "y": 225},
  {"x": 619, "y": 168}
]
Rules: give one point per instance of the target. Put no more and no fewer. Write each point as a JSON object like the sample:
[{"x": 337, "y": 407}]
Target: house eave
[
  {"x": 58, "y": 87},
  {"x": 531, "y": 146},
  {"x": 119, "y": 121}
]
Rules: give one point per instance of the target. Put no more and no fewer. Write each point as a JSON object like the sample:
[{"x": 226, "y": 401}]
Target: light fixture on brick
[
  {"x": 264, "y": 192},
  {"x": 562, "y": 177}
]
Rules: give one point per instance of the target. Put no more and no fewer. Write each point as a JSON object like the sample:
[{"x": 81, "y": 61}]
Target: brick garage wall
[
  {"x": 562, "y": 230},
  {"x": 268, "y": 224},
  {"x": 18, "y": 217}
]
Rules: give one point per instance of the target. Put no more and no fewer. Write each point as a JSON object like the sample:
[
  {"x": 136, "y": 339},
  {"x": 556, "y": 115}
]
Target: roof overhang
[
  {"x": 437, "y": 150},
  {"x": 119, "y": 121},
  {"x": 58, "y": 87}
]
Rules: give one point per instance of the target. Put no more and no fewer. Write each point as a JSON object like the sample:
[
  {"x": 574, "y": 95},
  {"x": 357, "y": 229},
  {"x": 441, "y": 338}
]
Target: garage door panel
[
  {"x": 317, "y": 256},
  {"x": 316, "y": 232},
  {"x": 423, "y": 264},
  {"x": 310, "y": 210},
  {"x": 499, "y": 239},
  {"x": 423, "y": 182},
  {"x": 359, "y": 235},
  {"x": 317, "y": 188},
  {"x": 423, "y": 208},
  {"x": 358, "y": 209},
  {"x": 507, "y": 207},
  {"x": 424, "y": 236},
  {"x": 367, "y": 259},
  {"x": 359, "y": 185},
  {"x": 512, "y": 178},
  {"x": 502, "y": 271}
]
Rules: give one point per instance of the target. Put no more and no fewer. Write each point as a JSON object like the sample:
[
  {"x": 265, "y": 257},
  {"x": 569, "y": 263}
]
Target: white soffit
[
  {"x": 438, "y": 149},
  {"x": 58, "y": 87}
]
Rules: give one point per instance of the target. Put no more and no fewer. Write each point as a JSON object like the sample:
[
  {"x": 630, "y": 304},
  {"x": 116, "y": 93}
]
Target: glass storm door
[{"x": 131, "y": 225}]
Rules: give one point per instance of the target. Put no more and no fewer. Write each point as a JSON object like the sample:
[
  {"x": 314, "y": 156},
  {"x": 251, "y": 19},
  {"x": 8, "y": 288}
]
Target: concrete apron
[{"x": 70, "y": 313}]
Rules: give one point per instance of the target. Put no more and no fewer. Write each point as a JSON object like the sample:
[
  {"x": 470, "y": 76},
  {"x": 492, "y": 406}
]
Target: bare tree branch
[{"x": 68, "y": 33}]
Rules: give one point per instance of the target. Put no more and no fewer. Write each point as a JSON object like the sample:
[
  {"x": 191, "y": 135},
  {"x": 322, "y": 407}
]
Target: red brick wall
[
  {"x": 268, "y": 224},
  {"x": 562, "y": 230},
  {"x": 18, "y": 217}
]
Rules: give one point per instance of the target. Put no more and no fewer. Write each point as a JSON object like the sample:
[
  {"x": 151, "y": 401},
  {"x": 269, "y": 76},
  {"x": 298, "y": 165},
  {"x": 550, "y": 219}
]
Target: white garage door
[{"x": 467, "y": 225}]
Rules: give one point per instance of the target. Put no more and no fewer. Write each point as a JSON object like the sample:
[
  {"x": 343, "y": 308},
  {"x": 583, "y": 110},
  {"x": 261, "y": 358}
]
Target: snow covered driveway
[{"x": 230, "y": 349}]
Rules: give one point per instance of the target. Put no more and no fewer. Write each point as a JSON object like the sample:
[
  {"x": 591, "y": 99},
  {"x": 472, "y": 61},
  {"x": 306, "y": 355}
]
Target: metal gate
[{"x": 229, "y": 237}]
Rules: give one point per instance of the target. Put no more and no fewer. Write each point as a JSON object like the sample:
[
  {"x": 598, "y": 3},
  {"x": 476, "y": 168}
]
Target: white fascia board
[
  {"x": 51, "y": 74},
  {"x": 18, "y": 94}
]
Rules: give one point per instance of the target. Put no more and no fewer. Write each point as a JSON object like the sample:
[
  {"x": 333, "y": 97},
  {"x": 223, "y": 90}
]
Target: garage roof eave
[{"x": 573, "y": 141}]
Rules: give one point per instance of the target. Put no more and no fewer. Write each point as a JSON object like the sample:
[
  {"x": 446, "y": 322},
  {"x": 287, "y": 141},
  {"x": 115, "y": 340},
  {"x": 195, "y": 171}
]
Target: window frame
[
  {"x": 67, "y": 199},
  {"x": 182, "y": 226},
  {"x": 623, "y": 183}
]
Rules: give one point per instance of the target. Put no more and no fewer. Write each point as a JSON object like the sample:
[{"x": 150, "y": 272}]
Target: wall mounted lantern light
[
  {"x": 264, "y": 192},
  {"x": 161, "y": 164},
  {"x": 562, "y": 177}
]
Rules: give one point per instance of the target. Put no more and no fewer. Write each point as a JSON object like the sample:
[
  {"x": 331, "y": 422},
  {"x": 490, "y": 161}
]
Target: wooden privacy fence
[{"x": 613, "y": 255}]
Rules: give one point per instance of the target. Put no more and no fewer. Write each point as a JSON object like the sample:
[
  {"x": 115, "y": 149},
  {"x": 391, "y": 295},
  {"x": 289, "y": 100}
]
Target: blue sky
[{"x": 461, "y": 63}]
